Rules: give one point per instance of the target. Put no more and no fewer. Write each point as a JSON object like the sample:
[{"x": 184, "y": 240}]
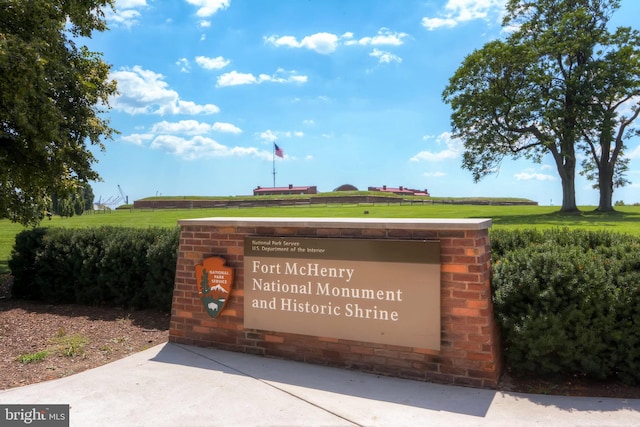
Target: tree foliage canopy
[
  {"x": 559, "y": 85},
  {"x": 52, "y": 95}
]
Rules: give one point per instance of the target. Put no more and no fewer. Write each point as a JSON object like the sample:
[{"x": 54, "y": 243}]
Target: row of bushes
[
  {"x": 568, "y": 302},
  {"x": 112, "y": 266}
]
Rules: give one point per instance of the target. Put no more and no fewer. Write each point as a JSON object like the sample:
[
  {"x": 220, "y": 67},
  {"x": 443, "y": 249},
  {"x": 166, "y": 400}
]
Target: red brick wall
[{"x": 469, "y": 354}]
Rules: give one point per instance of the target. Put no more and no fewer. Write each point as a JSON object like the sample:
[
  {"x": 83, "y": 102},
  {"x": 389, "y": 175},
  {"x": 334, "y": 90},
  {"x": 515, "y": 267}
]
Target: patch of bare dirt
[{"x": 40, "y": 342}]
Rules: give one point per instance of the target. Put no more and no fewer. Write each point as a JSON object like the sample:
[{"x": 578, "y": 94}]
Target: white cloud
[
  {"x": 326, "y": 43},
  {"x": 189, "y": 127},
  {"x": 127, "y": 4},
  {"x": 468, "y": 10},
  {"x": 533, "y": 176},
  {"x": 212, "y": 63},
  {"x": 289, "y": 41},
  {"x": 137, "y": 138},
  {"x": 208, "y": 7},
  {"x": 457, "y": 11},
  {"x": 509, "y": 29},
  {"x": 184, "y": 147},
  {"x": 627, "y": 108},
  {"x": 434, "y": 23},
  {"x": 235, "y": 78},
  {"x": 320, "y": 42},
  {"x": 634, "y": 153},
  {"x": 189, "y": 107},
  {"x": 199, "y": 147},
  {"x": 192, "y": 127},
  {"x": 145, "y": 92},
  {"x": 295, "y": 79},
  {"x": 204, "y": 24},
  {"x": 125, "y": 18},
  {"x": 384, "y": 37},
  {"x": 289, "y": 134},
  {"x": 270, "y": 135},
  {"x": 309, "y": 122},
  {"x": 186, "y": 139},
  {"x": 454, "y": 149},
  {"x": 184, "y": 65},
  {"x": 385, "y": 57},
  {"x": 226, "y": 128},
  {"x": 125, "y": 13}
]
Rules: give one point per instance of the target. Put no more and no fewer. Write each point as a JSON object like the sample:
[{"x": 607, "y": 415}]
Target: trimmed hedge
[
  {"x": 107, "y": 266},
  {"x": 568, "y": 302}
]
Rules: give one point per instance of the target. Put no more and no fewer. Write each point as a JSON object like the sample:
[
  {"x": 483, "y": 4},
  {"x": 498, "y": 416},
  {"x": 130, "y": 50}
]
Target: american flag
[{"x": 279, "y": 151}]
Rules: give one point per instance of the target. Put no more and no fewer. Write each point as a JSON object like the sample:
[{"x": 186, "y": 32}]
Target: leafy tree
[
  {"x": 616, "y": 76},
  {"x": 52, "y": 95},
  {"x": 87, "y": 197},
  {"x": 62, "y": 206},
  {"x": 553, "y": 87},
  {"x": 73, "y": 203}
]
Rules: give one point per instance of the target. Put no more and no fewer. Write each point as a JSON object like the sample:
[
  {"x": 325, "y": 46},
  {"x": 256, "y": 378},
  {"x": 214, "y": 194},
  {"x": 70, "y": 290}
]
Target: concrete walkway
[{"x": 177, "y": 385}]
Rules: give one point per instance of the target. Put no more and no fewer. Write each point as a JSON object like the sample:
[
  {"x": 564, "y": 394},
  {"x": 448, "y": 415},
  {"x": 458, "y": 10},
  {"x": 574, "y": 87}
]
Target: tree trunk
[
  {"x": 568, "y": 192},
  {"x": 566, "y": 166},
  {"x": 605, "y": 184}
]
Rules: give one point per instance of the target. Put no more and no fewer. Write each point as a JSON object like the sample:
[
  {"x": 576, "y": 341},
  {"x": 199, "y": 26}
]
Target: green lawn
[{"x": 625, "y": 220}]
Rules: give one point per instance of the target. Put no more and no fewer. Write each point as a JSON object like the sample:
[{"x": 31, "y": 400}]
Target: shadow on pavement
[{"x": 304, "y": 381}]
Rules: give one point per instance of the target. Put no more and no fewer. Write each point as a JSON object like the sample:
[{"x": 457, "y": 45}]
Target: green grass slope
[{"x": 625, "y": 220}]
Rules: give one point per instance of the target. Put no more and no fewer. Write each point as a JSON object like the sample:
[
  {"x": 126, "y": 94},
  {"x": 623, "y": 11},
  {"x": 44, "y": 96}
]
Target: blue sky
[{"x": 349, "y": 89}]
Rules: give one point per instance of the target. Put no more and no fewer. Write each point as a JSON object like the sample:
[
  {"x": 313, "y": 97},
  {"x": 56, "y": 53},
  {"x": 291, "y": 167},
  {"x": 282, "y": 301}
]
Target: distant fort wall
[{"x": 316, "y": 200}]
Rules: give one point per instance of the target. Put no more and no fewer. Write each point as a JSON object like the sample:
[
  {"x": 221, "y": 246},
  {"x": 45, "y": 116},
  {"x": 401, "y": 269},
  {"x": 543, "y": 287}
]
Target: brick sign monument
[{"x": 404, "y": 297}]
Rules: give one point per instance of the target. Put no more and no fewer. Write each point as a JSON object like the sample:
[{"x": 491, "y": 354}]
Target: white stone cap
[{"x": 383, "y": 223}]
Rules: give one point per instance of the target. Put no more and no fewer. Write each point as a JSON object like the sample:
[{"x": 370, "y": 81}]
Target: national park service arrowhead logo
[{"x": 214, "y": 284}]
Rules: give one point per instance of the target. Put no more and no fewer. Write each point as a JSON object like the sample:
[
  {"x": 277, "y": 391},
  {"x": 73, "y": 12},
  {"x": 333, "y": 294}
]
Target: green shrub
[
  {"x": 89, "y": 291},
  {"x": 504, "y": 241},
  {"x": 568, "y": 302},
  {"x": 57, "y": 266},
  {"x": 22, "y": 263},
  {"x": 161, "y": 274},
  {"x": 123, "y": 268},
  {"x": 113, "y": 266}
]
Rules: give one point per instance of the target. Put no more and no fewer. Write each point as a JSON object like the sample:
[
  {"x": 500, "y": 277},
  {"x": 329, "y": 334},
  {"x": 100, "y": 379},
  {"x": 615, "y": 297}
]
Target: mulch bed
[{"x": 40, "y": 342}]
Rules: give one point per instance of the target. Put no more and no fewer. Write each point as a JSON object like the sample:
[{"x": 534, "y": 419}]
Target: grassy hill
[
  {"x": 625, "y": 220},
  {"x": 343, "y": 194}
]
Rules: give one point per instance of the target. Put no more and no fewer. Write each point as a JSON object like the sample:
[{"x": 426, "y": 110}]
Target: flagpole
[{"x": 274, "y": 164}]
